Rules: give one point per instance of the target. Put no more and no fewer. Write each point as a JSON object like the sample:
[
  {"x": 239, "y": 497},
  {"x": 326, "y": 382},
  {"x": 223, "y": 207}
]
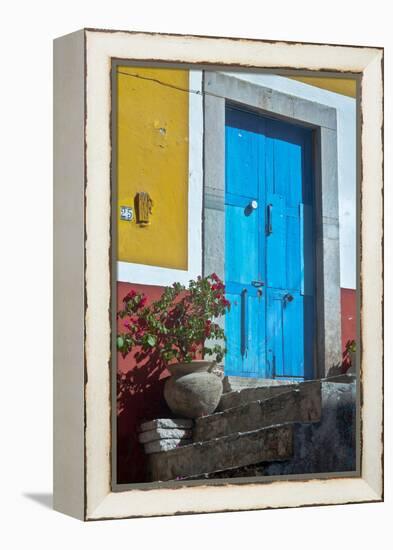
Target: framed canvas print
[{"x": 218, "y": 274}]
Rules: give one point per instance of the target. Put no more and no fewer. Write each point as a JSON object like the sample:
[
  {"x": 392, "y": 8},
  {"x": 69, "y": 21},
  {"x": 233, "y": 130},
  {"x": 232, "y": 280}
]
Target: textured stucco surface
[{"x": 152, "y": 156}]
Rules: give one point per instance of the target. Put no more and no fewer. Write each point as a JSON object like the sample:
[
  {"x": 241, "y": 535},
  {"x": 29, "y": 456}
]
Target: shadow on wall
[{"x": 139, "y": 398}]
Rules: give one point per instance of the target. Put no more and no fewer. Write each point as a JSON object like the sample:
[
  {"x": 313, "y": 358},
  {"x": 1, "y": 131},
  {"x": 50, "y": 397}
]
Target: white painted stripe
[{"x": 162, "y": 276}]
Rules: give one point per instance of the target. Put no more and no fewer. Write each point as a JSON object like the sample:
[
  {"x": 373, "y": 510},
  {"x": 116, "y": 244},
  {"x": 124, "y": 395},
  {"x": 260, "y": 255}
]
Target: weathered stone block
[
  {"x": 162, "y": 445},
  {"x": 268, "y": 444},
  {"x": 185, "y": 423},
  {"x": 302, "y": 404},
  {"x": 162, "y": 433}
]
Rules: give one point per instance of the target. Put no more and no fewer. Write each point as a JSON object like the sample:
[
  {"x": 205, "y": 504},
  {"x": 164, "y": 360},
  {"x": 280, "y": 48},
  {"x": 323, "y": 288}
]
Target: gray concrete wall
[{"x": 214, "y": 187}]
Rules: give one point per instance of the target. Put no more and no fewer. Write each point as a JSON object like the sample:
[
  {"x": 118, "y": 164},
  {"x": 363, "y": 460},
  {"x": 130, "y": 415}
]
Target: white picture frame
[{"x": 82, "y": 245}]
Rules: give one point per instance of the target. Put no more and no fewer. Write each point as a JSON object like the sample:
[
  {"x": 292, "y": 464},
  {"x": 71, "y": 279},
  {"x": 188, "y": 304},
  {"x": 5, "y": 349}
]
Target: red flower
[
  {"x": 130, "y": 296},
  {"x": 141, "y": 322},
  {"x": 225, "y": 302}
]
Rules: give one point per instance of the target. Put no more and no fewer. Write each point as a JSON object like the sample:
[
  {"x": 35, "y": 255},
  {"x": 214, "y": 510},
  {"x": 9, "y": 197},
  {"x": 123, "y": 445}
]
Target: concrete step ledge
[
  {"x": 240, "y": 449},
  {"x": 300, "y": 404},
  {"x": 235, "y": 383},
  {"x": 247, "y": 395}
]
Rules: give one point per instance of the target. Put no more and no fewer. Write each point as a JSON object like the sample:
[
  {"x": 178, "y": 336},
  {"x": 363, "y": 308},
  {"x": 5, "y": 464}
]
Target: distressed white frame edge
[
  {"x": 69, "y": 276},
  {"x": 99, "y": 501}
]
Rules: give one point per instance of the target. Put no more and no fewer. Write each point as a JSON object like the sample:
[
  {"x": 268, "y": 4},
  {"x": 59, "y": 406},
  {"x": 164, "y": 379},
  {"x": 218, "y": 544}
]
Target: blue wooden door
[{"x": 269, "y": 248}]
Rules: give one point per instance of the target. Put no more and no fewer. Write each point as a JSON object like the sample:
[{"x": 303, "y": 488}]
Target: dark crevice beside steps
[{"x": 301, "y": 403}]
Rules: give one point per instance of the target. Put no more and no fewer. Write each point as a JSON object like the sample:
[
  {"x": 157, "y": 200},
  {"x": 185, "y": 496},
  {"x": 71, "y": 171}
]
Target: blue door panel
[
  {"x": 275, "y": 241},
  {"x": 256, "y": 336},
  {"x": 245, "y": 342},
  {"x": 243, "y": 168},
  {"x": 242, "y": 259},
  {"x": 233, "y": 358},
  {"x": 269, "y": 256},
  {"x": 293, "y": 251},
  {"x": 285, "y": 345},
  {"x": 274, "y": 332},
  {"x": 293, "y": 338}
]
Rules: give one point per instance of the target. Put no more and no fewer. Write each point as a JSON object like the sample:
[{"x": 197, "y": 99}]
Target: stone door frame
[{"x": 220, "y": 89}]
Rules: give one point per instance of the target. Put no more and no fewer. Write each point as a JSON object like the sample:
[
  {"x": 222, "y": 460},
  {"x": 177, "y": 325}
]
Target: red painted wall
[
  {"x": 348, "y": 315},
  {"x": 140, "y": 397}
]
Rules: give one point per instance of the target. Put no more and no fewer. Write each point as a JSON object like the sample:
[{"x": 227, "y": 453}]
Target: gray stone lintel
[
  {"x": 267, "y": 444},
  {"x": 265, "y": 99}
]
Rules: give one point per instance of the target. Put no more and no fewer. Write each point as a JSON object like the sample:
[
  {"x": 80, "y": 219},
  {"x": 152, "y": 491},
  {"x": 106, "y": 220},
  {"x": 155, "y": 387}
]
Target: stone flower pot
[{"x": 192, "y": 390}]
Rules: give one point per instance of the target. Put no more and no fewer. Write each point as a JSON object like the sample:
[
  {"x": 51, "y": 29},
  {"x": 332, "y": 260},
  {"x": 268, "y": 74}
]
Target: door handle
[
  {"x": 287, "y": 298},
  {"x": 244, "y": 323},
  {"x": 269, "y": 220},
  {"x": 257, "y": 284}
]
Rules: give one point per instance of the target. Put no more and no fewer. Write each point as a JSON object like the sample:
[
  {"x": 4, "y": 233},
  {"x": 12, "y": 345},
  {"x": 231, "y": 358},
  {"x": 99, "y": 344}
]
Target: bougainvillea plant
[{"x": 180, "y": 326}]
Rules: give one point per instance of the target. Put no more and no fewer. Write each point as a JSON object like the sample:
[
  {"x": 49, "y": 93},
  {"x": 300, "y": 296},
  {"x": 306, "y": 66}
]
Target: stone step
[
  {"x": 164, "y": 433},
  {"x": 166, "y": 423},
  {"x": 301, "y": 404},
  {"x": 235, "y": 383},
  {"x": 247, "y": 395},
  {"x": 164, "y": 445},
  {"x": 224, "y": 453}
]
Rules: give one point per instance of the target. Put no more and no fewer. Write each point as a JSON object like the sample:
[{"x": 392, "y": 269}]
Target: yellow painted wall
[
  {"x": 152, "y": 138},
  {"x": 345, "y": 86}
]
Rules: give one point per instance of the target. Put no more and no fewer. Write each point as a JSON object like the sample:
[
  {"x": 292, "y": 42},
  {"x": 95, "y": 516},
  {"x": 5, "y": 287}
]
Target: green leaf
[
  {"x": 151, "y": 340},
  {"x": 120, "y": 342}
]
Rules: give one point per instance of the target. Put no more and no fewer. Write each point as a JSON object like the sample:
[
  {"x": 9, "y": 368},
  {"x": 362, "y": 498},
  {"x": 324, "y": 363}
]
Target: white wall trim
[{"x": 161, "y": 276}]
